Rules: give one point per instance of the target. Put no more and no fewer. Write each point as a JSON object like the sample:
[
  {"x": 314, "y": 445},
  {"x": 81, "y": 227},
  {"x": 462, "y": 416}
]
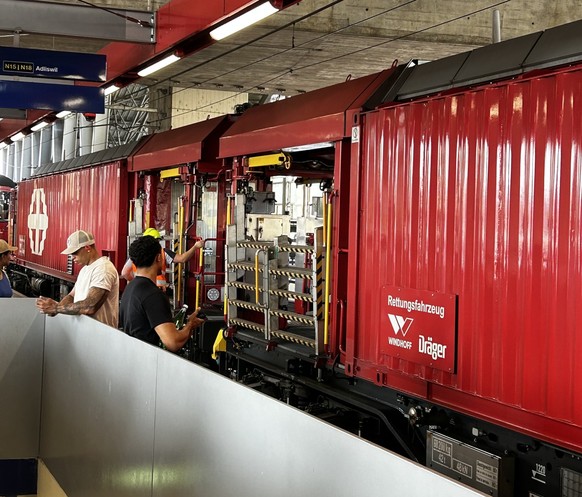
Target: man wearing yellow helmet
[
  {"x": 152, "y": 232},
  {"x": 168, "y": 257}
]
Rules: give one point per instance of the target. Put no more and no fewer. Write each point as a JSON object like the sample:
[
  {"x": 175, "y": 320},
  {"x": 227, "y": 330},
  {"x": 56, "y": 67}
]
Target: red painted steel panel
[
  {"x": 178, "y": 20},
  {"x": 192, "y": 143},
  {"x": 94, "y": 199},
  {"x": 314, "y": 117},
  {"x": 421, "y": 326},
  {"x": 479, "y": 194}
]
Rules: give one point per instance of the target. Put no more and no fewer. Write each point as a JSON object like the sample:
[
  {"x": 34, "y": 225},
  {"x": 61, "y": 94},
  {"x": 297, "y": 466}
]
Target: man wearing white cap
[{"x": 96, "y": 292}]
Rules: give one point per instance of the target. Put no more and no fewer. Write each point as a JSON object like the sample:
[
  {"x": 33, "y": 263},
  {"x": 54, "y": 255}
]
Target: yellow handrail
[
  {"x": 225, "y": 286},
  {"x": 201, "y": 275},
  {"x": 327, "y": 275},
  {"x": 179, "y": 293}
]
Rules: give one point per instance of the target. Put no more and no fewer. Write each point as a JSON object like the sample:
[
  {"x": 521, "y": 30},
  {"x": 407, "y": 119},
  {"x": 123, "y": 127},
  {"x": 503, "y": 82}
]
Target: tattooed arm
[{"x": 89, "y": 306}]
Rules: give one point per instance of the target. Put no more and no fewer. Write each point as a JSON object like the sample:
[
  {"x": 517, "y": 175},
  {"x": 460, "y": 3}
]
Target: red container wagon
[
  {"x": 452, "y": 256},
  {"x": 4, "y": 209},
  {"x": 467, "y": 207},
  {"x": 89, "y": 192}
]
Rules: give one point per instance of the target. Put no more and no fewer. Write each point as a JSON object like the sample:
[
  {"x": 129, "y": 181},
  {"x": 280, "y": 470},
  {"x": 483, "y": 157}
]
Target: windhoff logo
[
  {"x": 425, "y": 344},
  {"x": 402, "y": 325}
]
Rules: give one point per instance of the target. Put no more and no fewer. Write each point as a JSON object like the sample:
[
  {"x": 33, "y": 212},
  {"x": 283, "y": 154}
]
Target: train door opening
[{"x": 278, "y": 250}]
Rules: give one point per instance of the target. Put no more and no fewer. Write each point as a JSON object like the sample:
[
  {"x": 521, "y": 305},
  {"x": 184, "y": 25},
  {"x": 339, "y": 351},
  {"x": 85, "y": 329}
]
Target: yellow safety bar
[
  {"x": 324, "y": 200},
  {"x": 180, "y": 248},
  {"x": 219, "y": 344},
  {"x": 170, "y": 173},
  {"x": 327, "y": 275},
  {"x": 198, "y": 284},
  {"x": 280, "y": 159},
  {"x": 225, "y": 287}
]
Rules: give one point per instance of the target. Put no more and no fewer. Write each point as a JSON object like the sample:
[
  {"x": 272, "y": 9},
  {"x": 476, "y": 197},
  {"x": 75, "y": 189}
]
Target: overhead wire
[
  {"x": 306, "y": 66},
  {"x": 279, "y": 75},
  {"x": 143, "y": 24},
  {"x": 281, "y": 52}
]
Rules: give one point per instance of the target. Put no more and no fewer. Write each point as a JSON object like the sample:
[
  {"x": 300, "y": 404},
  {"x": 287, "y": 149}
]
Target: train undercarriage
[{"x": 509, "y": 463}]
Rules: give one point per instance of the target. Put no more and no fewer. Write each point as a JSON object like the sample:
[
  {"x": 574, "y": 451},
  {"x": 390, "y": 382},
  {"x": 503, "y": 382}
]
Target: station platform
[{"x": 107, "y": 415}]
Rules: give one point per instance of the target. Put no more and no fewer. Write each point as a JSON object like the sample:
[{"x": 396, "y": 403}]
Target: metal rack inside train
[{"x": 277, "y": 252}]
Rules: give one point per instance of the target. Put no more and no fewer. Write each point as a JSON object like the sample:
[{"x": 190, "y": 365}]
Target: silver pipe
[{"x": 496, "y": 26}]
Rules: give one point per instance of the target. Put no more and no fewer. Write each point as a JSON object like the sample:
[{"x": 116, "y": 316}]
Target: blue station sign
[
  {"x": 24, "y": 95},
  {"x": 52, "y": 64}
]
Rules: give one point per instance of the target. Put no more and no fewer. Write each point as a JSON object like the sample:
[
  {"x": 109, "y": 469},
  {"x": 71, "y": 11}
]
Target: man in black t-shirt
[{"x": 144, "y": 311}]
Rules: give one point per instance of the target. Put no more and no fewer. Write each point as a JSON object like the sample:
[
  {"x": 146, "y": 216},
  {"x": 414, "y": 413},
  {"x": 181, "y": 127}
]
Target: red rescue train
[{"x": 399, "y": 254}]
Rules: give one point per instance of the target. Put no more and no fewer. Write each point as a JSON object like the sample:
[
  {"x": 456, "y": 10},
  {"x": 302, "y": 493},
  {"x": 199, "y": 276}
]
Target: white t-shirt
[{"x": 100, "y": 274}]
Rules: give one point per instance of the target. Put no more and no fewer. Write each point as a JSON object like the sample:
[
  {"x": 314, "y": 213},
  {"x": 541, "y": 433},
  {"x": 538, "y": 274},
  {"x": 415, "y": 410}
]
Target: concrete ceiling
[
  {"x": 301, "y": 50},
  {"x": 320, "y": 42}
]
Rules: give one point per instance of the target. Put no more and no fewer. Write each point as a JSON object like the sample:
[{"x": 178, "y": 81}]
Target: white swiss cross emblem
[{"x": 37, "y": 221}]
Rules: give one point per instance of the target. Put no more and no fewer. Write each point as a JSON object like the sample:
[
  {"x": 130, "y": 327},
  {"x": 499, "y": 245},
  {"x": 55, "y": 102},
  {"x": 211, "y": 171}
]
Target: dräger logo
[
  {"x": 425, "y": 345},
  {"x": 433, "y": 349}
]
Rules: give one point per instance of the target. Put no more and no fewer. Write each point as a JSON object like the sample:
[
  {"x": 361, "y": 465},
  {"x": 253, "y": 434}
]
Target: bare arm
[
  {"x": 173, "y": 339},
  {"x": 186, "y": 256},
  {"x": 89, "y": 306},
  {"x": 127, "y": 270}
]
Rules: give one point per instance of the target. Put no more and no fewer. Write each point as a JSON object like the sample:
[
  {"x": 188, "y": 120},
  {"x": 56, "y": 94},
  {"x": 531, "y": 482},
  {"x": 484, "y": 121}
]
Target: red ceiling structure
[{"x": 180, "y": 28}]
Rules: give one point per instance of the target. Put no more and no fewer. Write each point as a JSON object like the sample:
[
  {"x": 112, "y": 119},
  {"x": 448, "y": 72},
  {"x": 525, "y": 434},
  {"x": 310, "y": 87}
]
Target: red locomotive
[{"x": 399, "y": 254}]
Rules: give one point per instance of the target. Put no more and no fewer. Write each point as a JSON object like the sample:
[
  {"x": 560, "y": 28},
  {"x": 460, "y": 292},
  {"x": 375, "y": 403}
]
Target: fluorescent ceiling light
[
  {"x": 311, "y": 146},
  {"x": 252, "y": 16},
  {"x": 63, "y": 113},
  {"x": 110, "y": 89},
  {"x": 170, "y": 59},
  {"x": 17, "y": 137},
  {"x": 40, "y": 125}
]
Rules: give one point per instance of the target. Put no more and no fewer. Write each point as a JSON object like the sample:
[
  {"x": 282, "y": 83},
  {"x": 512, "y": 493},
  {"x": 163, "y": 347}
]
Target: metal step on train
[{"x": 271, "y": 297}]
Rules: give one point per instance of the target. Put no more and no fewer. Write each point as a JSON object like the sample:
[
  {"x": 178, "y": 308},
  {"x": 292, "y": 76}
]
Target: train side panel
[
  {"x": 474, "y": 200},
  {"x": 52, "y": 207}
]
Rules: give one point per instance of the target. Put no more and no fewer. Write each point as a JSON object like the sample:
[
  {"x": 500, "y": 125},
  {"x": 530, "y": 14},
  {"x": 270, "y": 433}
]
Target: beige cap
[
  {"x": 4, "y": 247},
  {"x": 77, "y": 240}
]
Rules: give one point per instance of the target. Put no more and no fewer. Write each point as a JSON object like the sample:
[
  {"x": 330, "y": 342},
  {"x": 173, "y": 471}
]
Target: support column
[
  {"x": 100, "y": 130},
  {"x": 44, "y": 153},
  {"x": 10, "y": 171},
  {"x": 18, "y": 160},
  {"x": 161, "y": 99},
  {"x": 3, "y": 160},
  {"x": 26, "y": 157},
  {"x": 57, "y": 141},
  {"x": 85, "y": 135},
  {"x": 69, "y": 137},
  {"x": 34, "y": 151}
]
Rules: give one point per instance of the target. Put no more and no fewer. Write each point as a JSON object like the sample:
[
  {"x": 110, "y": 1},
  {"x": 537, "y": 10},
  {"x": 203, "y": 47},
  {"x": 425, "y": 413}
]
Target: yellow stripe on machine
[
  {"x": 280, "y": 159},
  {"x": 170, "y": 173},
  {"x": 219, "y": 344}
]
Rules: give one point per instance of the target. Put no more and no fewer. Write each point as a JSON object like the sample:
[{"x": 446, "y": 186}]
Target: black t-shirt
[{"x": 143, "y": 307}]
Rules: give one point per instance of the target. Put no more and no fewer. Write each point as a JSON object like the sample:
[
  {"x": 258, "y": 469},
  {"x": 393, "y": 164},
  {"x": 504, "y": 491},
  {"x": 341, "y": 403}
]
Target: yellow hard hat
[{"x": 152, "y": 232}]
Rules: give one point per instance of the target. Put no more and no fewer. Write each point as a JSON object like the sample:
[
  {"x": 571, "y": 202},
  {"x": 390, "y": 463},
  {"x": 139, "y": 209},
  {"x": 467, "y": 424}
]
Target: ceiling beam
[{"x": 81, "y": 21}]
